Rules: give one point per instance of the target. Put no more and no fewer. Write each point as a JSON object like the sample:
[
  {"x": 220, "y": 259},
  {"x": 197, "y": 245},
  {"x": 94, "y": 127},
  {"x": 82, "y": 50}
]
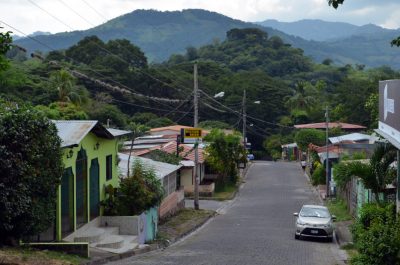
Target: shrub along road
[{"x": 257, "y": 229}]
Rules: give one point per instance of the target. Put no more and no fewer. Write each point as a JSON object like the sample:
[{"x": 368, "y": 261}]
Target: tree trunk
[{"x": 129, "y": 157}]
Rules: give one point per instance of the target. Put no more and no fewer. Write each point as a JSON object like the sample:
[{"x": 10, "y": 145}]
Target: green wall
[{"x": 106, "y": 147}]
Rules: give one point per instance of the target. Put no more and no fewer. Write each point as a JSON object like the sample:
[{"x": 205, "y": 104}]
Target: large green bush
[
  {"x": 376, "y": 235},
  {"x": 137, "y": 193},
  {"x": 30, "y": 171},
  {"x": 318, "y": 176}
]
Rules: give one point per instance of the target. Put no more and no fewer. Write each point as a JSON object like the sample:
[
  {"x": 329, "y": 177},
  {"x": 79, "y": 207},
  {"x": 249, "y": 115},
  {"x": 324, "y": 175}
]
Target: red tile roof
[
  {"x": 187, "y": 151},
  {"x": 170, "y": 147},
  {"x": 322, "y": 125}
]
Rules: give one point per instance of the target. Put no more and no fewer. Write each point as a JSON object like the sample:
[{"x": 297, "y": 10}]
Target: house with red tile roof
[{"x": 322, "y": 125}]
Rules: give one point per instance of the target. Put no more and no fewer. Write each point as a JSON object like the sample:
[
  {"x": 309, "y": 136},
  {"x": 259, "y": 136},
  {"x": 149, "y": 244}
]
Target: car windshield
[{"x": 314, "y": 212}]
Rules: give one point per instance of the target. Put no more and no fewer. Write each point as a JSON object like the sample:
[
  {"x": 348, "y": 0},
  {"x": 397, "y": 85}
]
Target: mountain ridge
[{"x": 161, "y": 34}]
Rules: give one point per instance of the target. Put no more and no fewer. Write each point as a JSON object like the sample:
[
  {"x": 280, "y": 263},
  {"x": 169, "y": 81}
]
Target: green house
[{"x": 90, "y": 164}]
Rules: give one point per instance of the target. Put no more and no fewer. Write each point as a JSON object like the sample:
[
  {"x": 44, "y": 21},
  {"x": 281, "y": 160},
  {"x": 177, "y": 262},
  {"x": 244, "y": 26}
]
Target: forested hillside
[
  {"x": 160, "y": 34},
  {"x": 113, "y": 81}
]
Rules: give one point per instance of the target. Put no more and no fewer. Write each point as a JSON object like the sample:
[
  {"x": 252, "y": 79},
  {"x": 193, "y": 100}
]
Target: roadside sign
[{"x": 190, "y": 135}]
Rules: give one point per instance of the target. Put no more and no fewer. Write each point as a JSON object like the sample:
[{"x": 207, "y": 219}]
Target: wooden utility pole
[
  {"x": 327, "y": 150},
  {"x": 196, "y": 145},
  {"x": 244, "y": 119}
]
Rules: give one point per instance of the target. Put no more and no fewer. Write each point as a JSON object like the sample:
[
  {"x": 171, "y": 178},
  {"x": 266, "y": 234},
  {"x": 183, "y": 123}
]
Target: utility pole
[
  {"x": 196, "y": 145},
  {"x": 327, "y": 150},
  {"x": 244, "y": 119}
]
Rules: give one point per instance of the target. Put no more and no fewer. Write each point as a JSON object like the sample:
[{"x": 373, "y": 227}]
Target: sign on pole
[{"x": 190, "y": 135}]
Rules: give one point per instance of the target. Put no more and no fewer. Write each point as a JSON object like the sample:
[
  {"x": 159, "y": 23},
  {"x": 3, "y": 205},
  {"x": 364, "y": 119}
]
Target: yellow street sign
[{"x": 192, "y": 133}]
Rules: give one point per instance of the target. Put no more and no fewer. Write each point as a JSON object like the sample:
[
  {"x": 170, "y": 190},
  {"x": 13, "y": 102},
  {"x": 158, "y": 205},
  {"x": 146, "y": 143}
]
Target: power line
[
  {"x": 238, "y": 113},
  {"x": 154, "y": 28},
  {"x": 146, "y": 107},
  {"x": 100, "y": 47},
  {"x": 95, "y": 10},
  {"x": 125, "y": 89}
]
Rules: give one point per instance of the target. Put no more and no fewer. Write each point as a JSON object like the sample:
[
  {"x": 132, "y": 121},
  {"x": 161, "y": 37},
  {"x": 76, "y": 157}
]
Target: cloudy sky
[{"x": 33, "y": 15}]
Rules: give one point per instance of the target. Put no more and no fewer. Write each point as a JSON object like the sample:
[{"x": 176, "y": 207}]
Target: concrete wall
[
  {"x": 187, "y": 177},
  {"x": 172, "y": 203},
  {"x": 151, "y": 224},
  {"x": 128, "y": 225},
  {"x": 204, "y": 190}
]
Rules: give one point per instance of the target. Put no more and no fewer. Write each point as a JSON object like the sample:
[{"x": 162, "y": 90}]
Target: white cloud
[{"x": 392, "y": 22}]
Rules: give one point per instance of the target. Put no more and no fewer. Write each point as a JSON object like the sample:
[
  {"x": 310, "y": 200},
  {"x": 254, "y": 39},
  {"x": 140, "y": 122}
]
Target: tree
[
  {"x": 5, "y": 46},
  {"x": 336, "y": 3},
  {"x": 304, "y": 137},
  {"x": 65, "y": 84},
  {"x": 137, "y": 130},
  {"x": 375, "y": 175},
  {"x": 224, "y": 152},
  {"x": 139, "y": 191},
  {"x": 301, "y": 98},
  {"x": 31, "y": 167}
]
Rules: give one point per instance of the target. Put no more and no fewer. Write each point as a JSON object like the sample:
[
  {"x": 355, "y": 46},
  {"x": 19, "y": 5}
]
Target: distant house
[
  {"x": 168, "y": 173},
  {"x": 172, "y": 130},
  {"x": 90, "y": 163},
  {"x": 322, "y": 126}
]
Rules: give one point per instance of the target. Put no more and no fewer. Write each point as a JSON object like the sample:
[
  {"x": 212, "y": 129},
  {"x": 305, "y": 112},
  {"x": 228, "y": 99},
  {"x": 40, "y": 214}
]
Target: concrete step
[
  {"x": 129, "y": 243},
  {"x": 111, "y": 241},
  {"x": 95, "y": 234}
]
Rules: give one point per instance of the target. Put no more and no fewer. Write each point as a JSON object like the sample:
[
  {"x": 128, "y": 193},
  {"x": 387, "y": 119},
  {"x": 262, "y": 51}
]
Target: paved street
[{"x": 257, "y": 228}]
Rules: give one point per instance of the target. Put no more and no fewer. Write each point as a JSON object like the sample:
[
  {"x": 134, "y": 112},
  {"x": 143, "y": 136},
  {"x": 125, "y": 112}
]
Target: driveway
[{"x": 256, "y": 228}]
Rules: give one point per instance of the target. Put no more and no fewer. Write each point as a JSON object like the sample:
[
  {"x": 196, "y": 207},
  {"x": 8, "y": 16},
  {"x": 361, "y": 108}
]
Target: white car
[{"x": 314, "y": 221}]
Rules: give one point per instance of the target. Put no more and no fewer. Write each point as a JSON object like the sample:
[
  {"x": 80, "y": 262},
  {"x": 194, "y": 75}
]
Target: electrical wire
[
  {"x": 237, "y": 113},
  {"x": 99, "y": 82},
  {"x": 100, "y": 47}
]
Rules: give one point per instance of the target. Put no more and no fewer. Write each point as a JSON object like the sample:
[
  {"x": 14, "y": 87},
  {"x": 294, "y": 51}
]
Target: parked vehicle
[
  {"x": 250, "y": 156},
  {"x": 314, "y": 221}
]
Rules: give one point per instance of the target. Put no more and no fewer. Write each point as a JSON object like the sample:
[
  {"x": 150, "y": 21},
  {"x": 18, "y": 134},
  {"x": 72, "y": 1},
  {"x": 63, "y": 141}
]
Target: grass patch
[
  {"x": 182, "y": 223},
  {"x": 29, "y": 256},
  {"x": 351, "y": 251},
  {"x": 338, "y": 207},
  {"x": 225, "y": 192}
]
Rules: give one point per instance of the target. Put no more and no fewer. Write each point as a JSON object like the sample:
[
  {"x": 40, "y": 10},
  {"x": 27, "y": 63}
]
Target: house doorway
[
  {"x": 81, "y": 188},
  {"x": 94, "y": 189},
  {"x": 67, "y": 202}
]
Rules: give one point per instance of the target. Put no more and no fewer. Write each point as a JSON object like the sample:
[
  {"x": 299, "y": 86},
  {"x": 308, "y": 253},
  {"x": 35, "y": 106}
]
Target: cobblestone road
[{"x": 258, "y": 227}]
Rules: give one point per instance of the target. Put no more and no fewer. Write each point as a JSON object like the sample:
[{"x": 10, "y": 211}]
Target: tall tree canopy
[{"x": 31, "y": 168}]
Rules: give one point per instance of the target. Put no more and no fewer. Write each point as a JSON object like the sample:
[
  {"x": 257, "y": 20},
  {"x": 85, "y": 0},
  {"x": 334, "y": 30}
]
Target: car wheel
[
  {"x": 329, "y": 239},
  {"x": 296, "y": 236}
]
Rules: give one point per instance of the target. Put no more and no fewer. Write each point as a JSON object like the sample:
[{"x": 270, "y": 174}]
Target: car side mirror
[
  {"x": 296, "y": 214},
  {"x": 333, "y": 217}
]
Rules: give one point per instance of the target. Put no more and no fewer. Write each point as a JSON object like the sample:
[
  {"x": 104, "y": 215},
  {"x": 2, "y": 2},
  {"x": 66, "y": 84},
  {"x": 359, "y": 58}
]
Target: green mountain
[
  {"x": 158, "y": 34},
  {"x": 161, "y": 34},
  {"x": 313, "y": 29}
]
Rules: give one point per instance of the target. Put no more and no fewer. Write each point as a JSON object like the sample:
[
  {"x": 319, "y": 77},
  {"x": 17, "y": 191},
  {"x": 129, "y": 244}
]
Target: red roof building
[{"x": 322, "y": 125}]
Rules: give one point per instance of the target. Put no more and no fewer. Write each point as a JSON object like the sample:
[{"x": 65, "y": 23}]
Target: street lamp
[{"x": 219, "y": 95}]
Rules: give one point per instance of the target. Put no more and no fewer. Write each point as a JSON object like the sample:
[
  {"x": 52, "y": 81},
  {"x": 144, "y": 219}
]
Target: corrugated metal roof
[
  {"x": 72, "y": 132},
  {"x": 161, "y": 169},
  {"x": 355, "y": 137},
  {"x": 187, "y": 163},
  {"x": 117, "y": 132}
]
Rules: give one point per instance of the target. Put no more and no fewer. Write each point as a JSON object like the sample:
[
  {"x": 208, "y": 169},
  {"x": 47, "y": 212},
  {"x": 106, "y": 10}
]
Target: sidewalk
[{"x": 342, "y": 231}]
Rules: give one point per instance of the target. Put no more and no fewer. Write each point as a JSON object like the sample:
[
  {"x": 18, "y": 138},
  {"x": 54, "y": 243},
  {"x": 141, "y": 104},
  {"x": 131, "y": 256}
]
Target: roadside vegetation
[
  {"x": 28, "y": 256},
  {"x": 184, "y": 222},
  {"x": 338, "y": 207}
]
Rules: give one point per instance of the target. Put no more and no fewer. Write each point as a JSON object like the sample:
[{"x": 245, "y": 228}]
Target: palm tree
[
  {"x": 375, "y": 175},
  {"x": 300, "y": 100},
  {"x": 65, "y": 84}
]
